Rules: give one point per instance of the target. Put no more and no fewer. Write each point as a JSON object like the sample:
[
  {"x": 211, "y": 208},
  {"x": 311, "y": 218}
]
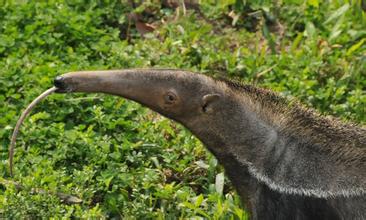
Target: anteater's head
[{"x": 199, "y": 102}]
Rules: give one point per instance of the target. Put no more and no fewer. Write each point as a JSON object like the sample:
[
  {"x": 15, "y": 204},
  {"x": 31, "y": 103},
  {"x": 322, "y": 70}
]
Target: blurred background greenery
[{"x": 125, "y": 161}]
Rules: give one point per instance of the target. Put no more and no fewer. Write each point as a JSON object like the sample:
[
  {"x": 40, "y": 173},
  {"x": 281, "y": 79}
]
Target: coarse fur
[
  {"x": 350, "y": 147},
  {"x": 345, "y": 143},
  {"x": 285, "y": 161}
]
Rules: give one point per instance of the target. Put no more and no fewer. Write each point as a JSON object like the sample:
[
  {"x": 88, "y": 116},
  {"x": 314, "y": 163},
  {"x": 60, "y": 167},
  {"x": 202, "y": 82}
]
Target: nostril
[{"x": 59, "y": 82}]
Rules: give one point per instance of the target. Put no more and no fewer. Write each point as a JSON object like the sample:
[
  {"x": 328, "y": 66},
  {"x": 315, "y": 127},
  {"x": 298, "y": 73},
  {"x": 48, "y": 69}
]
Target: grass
[{"x": 125, "y": 161}]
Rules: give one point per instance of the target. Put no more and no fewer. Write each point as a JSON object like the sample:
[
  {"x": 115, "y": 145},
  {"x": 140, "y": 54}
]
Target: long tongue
[{"x": 20, "y": 122}]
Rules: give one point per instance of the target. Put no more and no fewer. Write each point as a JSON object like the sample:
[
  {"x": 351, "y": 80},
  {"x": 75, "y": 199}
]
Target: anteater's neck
[{"x": 294, "y": 150}]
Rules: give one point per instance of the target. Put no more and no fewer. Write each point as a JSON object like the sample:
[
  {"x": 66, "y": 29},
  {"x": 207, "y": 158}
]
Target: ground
[{"x": 125, "y": 161}]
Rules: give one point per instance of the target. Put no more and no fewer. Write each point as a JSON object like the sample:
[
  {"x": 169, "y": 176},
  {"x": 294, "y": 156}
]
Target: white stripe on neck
[{"x": 317, "y": 193}]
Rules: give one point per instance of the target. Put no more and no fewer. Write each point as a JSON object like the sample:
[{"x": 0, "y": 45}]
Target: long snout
[
  {"x": 118, "y": 82},
  {"x": 87, "y": 81},
  {"x": 142, "y": 85}
]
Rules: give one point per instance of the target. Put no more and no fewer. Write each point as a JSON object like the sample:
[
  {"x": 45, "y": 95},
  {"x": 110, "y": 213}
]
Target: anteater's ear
[{"x": 208, "y": 102}]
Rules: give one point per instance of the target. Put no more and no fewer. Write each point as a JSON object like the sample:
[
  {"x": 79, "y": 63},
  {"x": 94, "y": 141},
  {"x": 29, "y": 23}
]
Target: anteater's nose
[{"x": 59, "y": 82}]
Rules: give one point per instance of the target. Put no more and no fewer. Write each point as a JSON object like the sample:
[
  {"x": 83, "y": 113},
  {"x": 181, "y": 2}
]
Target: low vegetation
[{"x": 125, "y": 161}]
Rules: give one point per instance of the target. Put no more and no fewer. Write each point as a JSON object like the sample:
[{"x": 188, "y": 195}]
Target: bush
[{"x": 125, "y": 161}]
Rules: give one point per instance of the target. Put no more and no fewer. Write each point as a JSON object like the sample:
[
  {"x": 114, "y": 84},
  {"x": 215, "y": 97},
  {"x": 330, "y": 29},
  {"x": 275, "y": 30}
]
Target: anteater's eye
[{"x": 170, "y": 98}]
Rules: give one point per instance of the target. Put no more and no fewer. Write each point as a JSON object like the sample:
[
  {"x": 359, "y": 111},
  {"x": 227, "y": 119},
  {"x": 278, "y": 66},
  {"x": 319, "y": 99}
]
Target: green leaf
[
  {"x": 314, "y": 3},
  {"x": 339, "y": 12},
  {"x": 40, "y": 115},
  {"x": 336, "y": 30},
  {"x": 355, "y": 47},
  {"x": 296, "y": 42},
  {"x": 310, "y": 30},
  {"x": 199, "y": 200}
]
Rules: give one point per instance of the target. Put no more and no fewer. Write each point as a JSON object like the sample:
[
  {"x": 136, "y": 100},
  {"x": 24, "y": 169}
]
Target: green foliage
[{"x": 125, "y": 161}]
